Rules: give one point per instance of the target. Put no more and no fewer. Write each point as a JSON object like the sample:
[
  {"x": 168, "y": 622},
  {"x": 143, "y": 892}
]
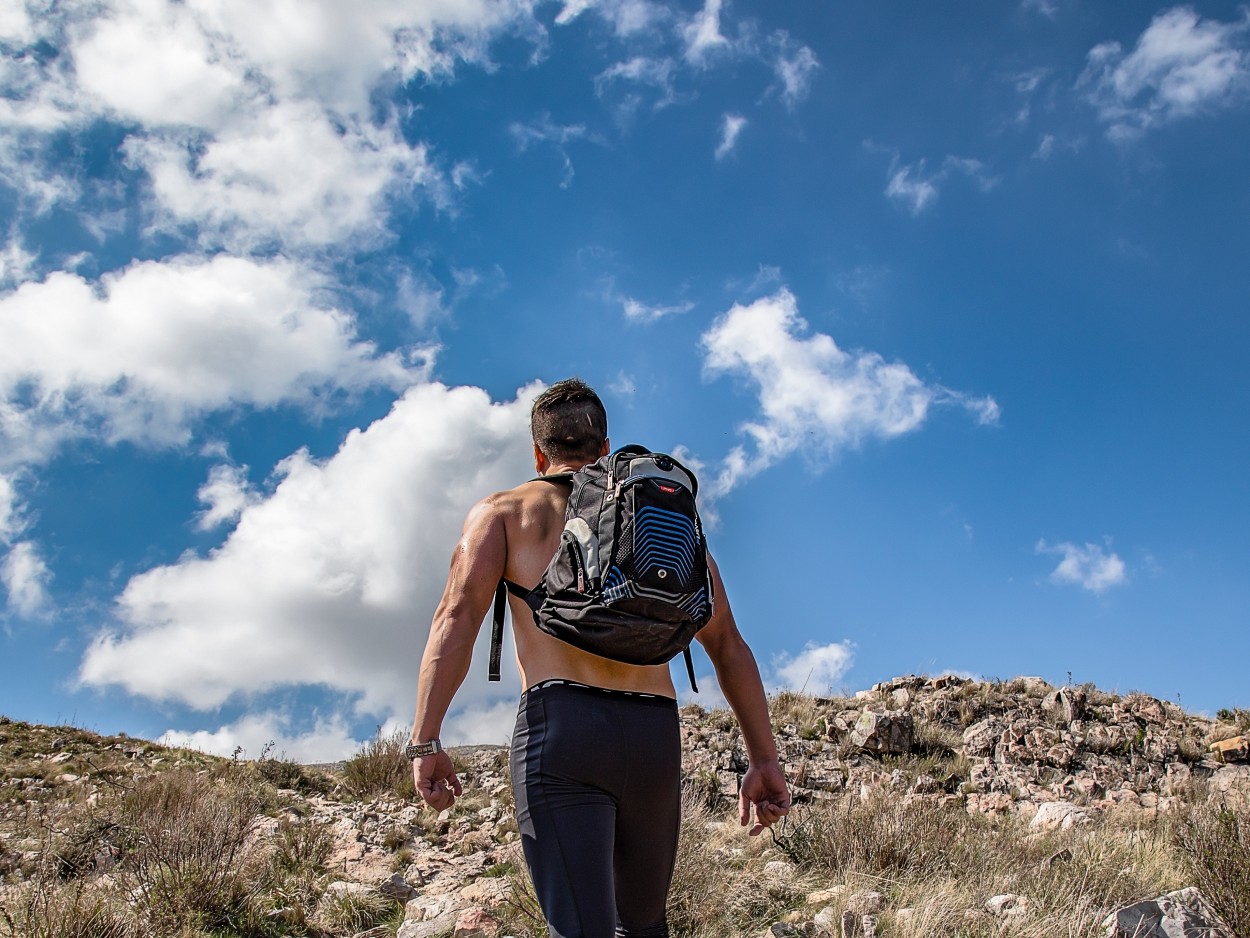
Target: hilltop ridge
[{"x": 892, "y": 785}]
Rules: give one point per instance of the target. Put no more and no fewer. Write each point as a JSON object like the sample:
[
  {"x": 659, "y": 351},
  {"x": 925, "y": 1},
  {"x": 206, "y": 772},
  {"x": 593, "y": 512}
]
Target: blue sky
[{"x": 947, "y": 305}]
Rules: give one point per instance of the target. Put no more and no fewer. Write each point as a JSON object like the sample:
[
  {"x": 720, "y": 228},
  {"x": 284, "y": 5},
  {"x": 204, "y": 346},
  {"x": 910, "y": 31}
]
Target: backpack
[{"x": 630, "y": 579}]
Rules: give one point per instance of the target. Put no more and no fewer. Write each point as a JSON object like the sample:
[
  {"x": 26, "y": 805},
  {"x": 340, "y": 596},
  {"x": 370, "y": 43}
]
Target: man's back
[{"x": 533, "y": 517}]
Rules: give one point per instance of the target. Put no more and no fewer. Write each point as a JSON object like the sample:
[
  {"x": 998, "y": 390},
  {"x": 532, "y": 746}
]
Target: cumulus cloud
[
  {"x": 1086, "y": 566},
  {"x": 226, "y": 494},
  {"x": 143, "y": 352},
  {"x": 250, "y": 131},
  {"x": 814, "y": 670},
  {"x": 332, "y": 578},
  {"x": 731, "y": 127},
  {"x": 25, "y": 576},
  {"x": 270, "y": 732},
  {"x": 813, "y": 395},
  {"x": 1182, "y": 65}
]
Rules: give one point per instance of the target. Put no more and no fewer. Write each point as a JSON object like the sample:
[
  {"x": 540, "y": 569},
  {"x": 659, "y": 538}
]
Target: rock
[
  {"x": 475, "y": 923},
  {"x": 1231, "y": 750},
  {"x": 434, "y": 928},
  {"x": 864, "y": 903},
  {"x": 980, "y": 739},
  {"x": 782, "y": 930},
  {"x": 398, "y": 888},
  {"x": 1059, "y": 815},
  {"x": 428, "y": 908},
  {"x": 890, "y": 732},
  {"x": 1182, "y": 914},
  {"x": 1065, "y": 706},
  {"x": 1008, "y": 904}
]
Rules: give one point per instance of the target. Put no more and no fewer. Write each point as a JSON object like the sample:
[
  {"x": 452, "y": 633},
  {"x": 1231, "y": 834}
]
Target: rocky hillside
[{"x": 1033, "y": 771}]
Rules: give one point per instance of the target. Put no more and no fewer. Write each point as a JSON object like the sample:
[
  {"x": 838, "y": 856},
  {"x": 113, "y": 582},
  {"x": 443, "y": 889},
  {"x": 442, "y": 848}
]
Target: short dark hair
[{"x": 568, "y": 421}]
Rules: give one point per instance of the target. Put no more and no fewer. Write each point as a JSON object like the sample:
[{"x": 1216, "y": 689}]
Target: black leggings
[{"x": 596, "y": 776}]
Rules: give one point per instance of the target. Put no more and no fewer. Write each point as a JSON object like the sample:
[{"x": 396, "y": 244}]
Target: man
[{"x": 595, "y": 753}]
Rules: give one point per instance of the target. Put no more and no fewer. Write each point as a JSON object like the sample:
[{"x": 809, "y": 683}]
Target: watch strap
[{"x": 417, "y": 750}]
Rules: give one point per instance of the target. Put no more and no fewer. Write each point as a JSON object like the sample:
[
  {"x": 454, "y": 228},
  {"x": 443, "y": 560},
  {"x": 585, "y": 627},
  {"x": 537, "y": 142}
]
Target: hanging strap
[
  {"x": 496, "y": 631},
  {"x": 533, "y": 598},
  {"x": 690, "y": 669},
  {"x": 507, "y": 586}
]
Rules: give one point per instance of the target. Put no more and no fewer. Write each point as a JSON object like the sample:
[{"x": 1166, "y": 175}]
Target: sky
[{"x": 945, "y": 303}]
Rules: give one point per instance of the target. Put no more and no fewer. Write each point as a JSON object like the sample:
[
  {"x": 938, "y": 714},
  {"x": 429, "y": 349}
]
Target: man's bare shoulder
[{"x": 519, "y": 503}]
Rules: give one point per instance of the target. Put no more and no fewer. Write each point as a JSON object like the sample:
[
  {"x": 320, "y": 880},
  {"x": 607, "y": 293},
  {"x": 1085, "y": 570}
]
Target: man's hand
[
  {"x": 436, "y": 780},
  {"x": 764, "y": 790}
]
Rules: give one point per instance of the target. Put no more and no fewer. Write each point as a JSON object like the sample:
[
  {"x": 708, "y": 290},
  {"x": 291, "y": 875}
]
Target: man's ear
[
  {"x": 540, "y": 461},
  {"x": 606, "y": 448}
]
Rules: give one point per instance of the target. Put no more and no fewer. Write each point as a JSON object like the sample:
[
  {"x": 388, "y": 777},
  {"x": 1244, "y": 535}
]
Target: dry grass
[{"x": 1214, "y": 841}]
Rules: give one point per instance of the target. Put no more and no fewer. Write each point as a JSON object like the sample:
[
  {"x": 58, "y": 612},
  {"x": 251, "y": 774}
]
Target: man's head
[{"x": 569, "y": 423}]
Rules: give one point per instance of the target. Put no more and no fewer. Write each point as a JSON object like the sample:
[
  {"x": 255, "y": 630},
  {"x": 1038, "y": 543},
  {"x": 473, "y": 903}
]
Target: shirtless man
[{"x": 595, "y": 753}]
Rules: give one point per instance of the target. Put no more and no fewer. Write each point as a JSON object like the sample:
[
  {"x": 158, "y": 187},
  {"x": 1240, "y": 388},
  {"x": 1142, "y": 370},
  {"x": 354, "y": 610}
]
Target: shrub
[
  {"x": 47, "y": 908},
  {"x": 189, "y": 832},
  {"x": 1215, "y": 840},
  {"x": 381, "y": 768}
]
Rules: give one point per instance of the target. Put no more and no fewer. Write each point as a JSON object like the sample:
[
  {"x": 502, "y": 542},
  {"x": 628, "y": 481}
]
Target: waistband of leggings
[{"x": 562, "y": 685}]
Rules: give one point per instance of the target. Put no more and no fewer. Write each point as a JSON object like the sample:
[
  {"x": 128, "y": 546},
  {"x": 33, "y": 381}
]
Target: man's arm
[
  {"x": 764, "y": 786},
  {"x": 476, "y": 568}
]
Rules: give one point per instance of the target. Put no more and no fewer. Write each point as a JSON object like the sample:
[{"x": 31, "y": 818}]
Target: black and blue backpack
[{"x": 630, "y": 579}]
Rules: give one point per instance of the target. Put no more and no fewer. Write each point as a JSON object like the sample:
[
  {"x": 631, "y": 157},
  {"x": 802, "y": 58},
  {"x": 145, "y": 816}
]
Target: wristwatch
[{"x": 417, "y": 750}]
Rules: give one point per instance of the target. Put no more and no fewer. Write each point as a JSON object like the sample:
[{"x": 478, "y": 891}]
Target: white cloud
[
  {"x": 909, "y": 187},
  {"x": 1182, "y": 65},
  {"x": 702, "y": 33},
  {"x": 731, "y": 127},
  {"x": 1087, "y": 566},
  {"x": 641, "y": 312},
  {"x": 25, "y": 577},
  {"x": 545, "y": 131},
  {"x": 643, "y": 70},
  {"x": 814, "y": 670},
  {"x": 290, "y": 175},
  {"x": 628, "y": 17},
  {"x": 813, "y": 396},
  {"x": 227, "y": 493},
  {"x": 916, "y": 190},
  {"x": 271, "y": 733},
  {"x": 145, "y": 351},
  {"x": 255, "y": 127},
  {"x": 482, "y": 723},
  {"x": 331, "y": 579},
  {"x": 796, "y": 66},
  {"x": 1047, "y": 8},
  {"x": 16, "y": 264}
]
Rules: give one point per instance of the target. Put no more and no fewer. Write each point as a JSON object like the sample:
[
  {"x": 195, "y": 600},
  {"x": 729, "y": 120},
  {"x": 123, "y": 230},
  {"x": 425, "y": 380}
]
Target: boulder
[
  {"x": 1059, "y": 815},
  {"x": 890, "y": 732},
  {"x": 981, "y": 738},
  {"x": 1065, "y": 706},
  {"x": 1182, "y": 914}
]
